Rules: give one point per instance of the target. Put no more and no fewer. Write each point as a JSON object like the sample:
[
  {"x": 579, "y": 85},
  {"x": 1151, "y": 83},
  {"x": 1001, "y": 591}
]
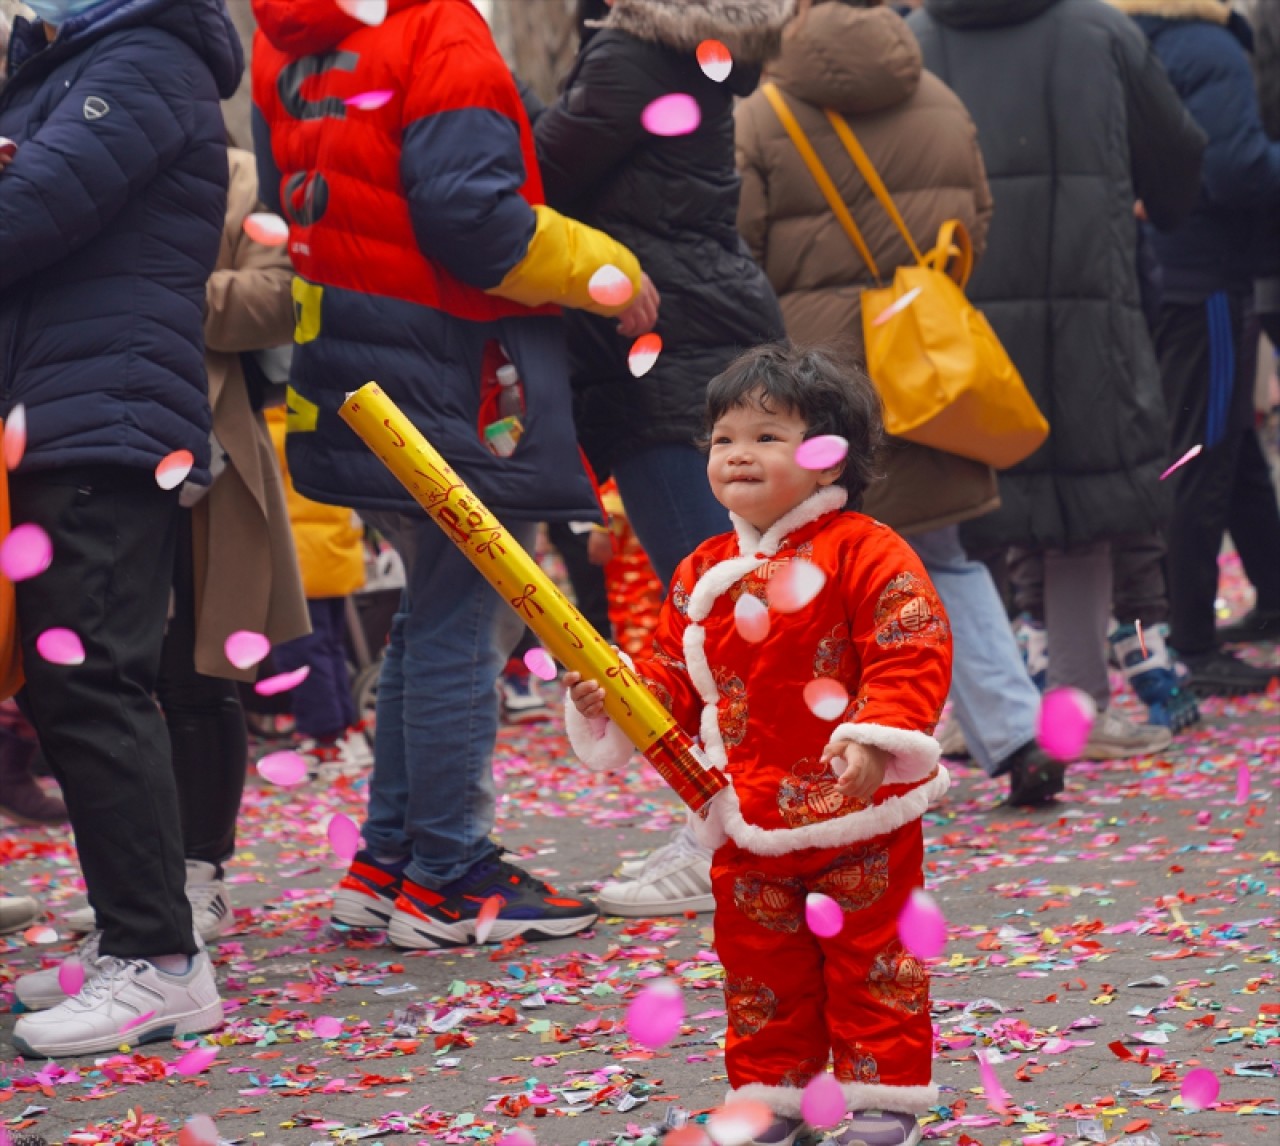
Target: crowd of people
[{"x": 1115, "y": 165}]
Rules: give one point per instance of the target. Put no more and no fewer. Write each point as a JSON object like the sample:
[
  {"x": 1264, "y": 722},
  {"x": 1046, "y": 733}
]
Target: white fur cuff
[
  {"x": 915, "y": 754},
  {"x": 600, "y": 744},
  {"x": 785, "y": 1100}
]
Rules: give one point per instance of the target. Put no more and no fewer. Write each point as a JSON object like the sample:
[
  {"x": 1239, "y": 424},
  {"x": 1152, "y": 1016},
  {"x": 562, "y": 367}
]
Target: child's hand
[
  {"x": 587, "y": 695},
  {"x": 859, "y": 768}
]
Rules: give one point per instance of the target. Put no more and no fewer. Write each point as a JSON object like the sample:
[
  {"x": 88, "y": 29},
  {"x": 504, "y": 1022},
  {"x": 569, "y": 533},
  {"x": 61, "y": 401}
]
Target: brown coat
[
  {"x": 246, "y": 570},
  {"x": 865, "y": 63}
]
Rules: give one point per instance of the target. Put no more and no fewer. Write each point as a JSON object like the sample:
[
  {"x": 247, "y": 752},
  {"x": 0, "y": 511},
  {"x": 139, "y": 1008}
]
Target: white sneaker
[
  {"x": 1114, "y": 737},
  {"x": 81, "y": 921},
  {"x": 673, "y": 879},
  {"x": 40, "y": 989},
  {"x": 210, "y": 905},
  {"x": 124, "y": 1001},
  {"x": 349, "y": 755},
  {"x": 634, "y": 869}
]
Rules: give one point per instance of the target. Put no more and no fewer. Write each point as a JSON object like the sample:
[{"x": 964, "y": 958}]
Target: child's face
[{"x": 752, "y": 464}]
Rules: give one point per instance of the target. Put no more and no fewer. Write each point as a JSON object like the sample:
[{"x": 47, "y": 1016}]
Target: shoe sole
[
  {"x": 199, "y": 1022},
  {"x": 1117, "y": 751},
  {"x": 352, "y": 909},
  {"x": 1204, "y": 688},
  {"x": 699, "y": 904},
  {"x": 413, "y": 933}
]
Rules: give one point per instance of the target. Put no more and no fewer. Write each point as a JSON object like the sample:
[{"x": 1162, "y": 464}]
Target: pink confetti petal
[
  {"x": 173, "y": 469},
  {"x": 1200, "y": 1089},
  {"x": 538, "y": 661},
  {"x": 673, "y": 114},
  {"x": 245, "y": 649},
  {"x": 826, "y": 698},
  {"x": 137, "y": 1021},
  {"x": 283, "y": 768},
  {"x": 71, "y": 976},
  {"x": 656, "y": 1014},
  {"x": 518, "y": 1137},
  {"x": 751, "y": 618},
  {"x": 370, "y": 101},
  {"x": 1066, "y": 717},
  {"x": 344, "y": 836},
  {"x": 715, "y": 60},
  {"x": 41, "y": 935},
  {"x": 371, "y": 12},
  {"x": 282, "y": 682},
  {"x": 487, "y": 916},
  {"x": 60, "y": 647},
  {"x": 609, "y": 286},
  {"x": 822, "y": 452},
  {"x": 1243, "y": 783},
  {"x": 922, "y": 927},
  {"x": 822, "y": 1102},
  {"x": 823, "y": 916},
  {"x": 198, "y": 1130},
  {"x": 896, "y": 307},
  {"x": 1182, "y": 461},
  {"x": 643, "y": 354},
  {"x": 196, "y": 1061},
  {"x": 266, "y": 229},
  {"x": 798, "y": 583},
  {"x": 327, "y": 1027},
  {"x": 737, "y": 1123},
  {"x": 14, "y": 443},
  {"x": 26, "y": 552},
  {"x": 690, "y": 1134},
  {"x": 996, "y": 1095}
]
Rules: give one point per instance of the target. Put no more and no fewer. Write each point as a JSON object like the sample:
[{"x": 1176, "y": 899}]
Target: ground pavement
[{"x": 1099, "y": 951}]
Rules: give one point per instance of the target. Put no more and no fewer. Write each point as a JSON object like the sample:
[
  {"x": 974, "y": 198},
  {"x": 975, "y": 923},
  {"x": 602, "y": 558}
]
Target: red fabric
[{"x": 793, "y": 997}]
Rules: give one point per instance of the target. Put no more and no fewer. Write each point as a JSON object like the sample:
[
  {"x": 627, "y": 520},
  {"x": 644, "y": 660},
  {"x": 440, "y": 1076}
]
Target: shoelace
[{"x": 109, "y": 974}]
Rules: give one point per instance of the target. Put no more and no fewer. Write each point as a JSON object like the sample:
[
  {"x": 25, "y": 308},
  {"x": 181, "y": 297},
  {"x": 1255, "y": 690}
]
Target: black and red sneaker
[
  {"x": 366, "y": 897},
  {"x": 447, "y": 918}
]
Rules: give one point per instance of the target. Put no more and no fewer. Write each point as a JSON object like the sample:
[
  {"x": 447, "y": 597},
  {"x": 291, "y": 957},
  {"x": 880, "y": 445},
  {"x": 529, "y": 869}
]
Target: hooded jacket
[
  {"x": 421, "y": 241},
  {"x": 673, "y": 200},
  {"x": 865, "y": 64},
  {"x": 110, "y": 218},
  {"x": 1076, "y": 119},
  {"x": 1205, "y": 48}
]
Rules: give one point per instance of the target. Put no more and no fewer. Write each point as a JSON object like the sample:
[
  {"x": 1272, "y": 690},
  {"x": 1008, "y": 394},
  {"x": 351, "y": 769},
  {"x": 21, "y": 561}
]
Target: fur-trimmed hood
[
  {"x": 750, "y": 29},
  {"x": 1213, "y": 11}
]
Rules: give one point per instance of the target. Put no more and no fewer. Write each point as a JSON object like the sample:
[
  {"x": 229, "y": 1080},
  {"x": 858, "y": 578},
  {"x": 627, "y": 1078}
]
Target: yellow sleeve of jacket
[{"x": 562, "y": 256}]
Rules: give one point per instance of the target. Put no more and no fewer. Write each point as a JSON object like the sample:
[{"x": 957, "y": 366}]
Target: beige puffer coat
[{"x": 864, "y": 63}]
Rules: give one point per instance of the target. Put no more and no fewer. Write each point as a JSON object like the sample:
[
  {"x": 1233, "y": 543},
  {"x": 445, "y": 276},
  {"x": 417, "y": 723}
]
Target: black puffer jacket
[
  {"x": 671, "y": 200},
  {"x": 1076, "y": 120}
]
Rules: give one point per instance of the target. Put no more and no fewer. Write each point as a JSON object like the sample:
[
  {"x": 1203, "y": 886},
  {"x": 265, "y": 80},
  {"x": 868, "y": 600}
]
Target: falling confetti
[
  {"x": 656, "y": 1014},
  {"x": 798, "y": 583},
  {"x": 371, "y": 12},
  {"x": 60, "y": 647},
  {"x": 822, "y": 1104},
  {"x": 751, "y": 618},
  {"x": 282, "y": 682},
  {"x": 1200, "y": 1089},
  {"x": 266, "y": 229},
  {"x": 822, "y": 914},
  {"x": 173, "y": 469},
  {"x": 609, "y": 286},
  {"x": 137, "y": 1021},
  {"x": 487, "y": 916},
  {"x": 40, "y": 935},
  {"x": 539, "y": 662},
  {"x": 284, "y": 769},
  {"x": 826, "y": 698},
  {"x": 715, "y": 60},
  {"x": 15, "y": 437},
  {"x": 896, "y": 307},
  {"x": 198, "y": 1130},
  {"x": 996, "y": 1095},
  {"x": 643, "y": 354},
  {"x": 26, "y": 552},
  {"x": 822, "y": 452},
  {"x": 369, "y": 101},
  {"x": 196, "y": 1061},
  {"x": 673, "y": 114},
  {"x": 922, "y": 927},
  {"x": 1182, "y": 461},
  {"x": 737, "y": 1123},
  {"x": 1242, "y": 782},
  {"x": 245, "y": 649},
  {"x": 1142, "y": 638},
  {"x": 327, "y": 1027},
  {"x": 690, "y": 1134},
  {"x": 70, "y": 976},
  {"x": 1065, "y": 720},
  {"x": 343, "y": 836}
]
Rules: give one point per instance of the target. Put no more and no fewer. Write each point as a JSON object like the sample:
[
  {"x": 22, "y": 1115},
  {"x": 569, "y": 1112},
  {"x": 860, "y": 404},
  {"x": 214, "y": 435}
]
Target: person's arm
[
  {"x": 753, "y": 200},
  {"x": 76, "y": 174}
]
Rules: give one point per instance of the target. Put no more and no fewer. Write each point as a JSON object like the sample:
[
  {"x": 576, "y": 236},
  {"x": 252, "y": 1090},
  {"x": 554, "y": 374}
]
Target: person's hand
[
  {"x": 1140, "y": 210},
  {"x": 8, "y": 149},
  {"x": 600, "y": 547},
  {"x": 642, "y": 315},
  {"x": 587, "y": 695},
  {"x": 859, "y": 768}
]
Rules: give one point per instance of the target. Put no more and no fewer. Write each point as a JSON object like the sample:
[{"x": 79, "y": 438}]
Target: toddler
[{"x": 820, "y": 801}]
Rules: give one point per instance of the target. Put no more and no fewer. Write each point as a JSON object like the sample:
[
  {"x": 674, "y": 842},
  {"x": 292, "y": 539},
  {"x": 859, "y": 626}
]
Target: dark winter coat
[
  {"x": 110, "y": 218},
  {"x": 672, "y": 200},
  {"x": 1205, "y": 48},
  {"x": 1076, "y": 120}
]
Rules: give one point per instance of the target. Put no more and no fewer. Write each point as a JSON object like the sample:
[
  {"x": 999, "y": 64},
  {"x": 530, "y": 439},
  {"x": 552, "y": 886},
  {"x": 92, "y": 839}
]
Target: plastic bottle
[{"x": 503, "y": 433}]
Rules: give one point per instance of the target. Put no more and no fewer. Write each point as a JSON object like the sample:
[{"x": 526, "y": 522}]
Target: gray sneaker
[
  {"x": 18, "y": 912},
  {"x": 880, "y": 1128},
  {"x": 1114, "y": 737}
]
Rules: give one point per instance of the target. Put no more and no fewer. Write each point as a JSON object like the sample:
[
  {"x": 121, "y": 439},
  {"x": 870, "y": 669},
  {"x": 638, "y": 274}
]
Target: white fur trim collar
[
  {"x": 785, "y": 1100},
  {"x": 818, "y": 504}
]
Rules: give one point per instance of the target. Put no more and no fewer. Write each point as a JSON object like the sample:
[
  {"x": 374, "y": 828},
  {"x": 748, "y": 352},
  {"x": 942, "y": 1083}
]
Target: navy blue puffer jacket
[{"x": 110, "y": 218}]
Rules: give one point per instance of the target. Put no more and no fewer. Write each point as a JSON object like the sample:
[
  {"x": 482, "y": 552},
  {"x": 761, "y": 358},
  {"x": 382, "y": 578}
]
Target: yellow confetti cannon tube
[{"x": 566, "y": 633}]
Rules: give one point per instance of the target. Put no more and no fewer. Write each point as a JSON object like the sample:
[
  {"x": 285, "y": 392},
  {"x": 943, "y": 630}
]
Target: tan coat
[
  {"x": 865, "y": 63},
  {"x": 246, "y": 570}
]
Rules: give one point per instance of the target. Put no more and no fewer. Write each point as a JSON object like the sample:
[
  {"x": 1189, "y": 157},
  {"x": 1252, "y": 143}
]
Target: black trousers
[
  {"x": 207, "y": 736},
  {"x": 113, "y": 532},
  {"x": 1208, "y": 385}
]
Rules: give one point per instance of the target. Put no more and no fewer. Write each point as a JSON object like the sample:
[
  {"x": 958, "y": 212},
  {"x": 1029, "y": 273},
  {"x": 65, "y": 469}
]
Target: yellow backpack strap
[
  {"x": 820, "y": 176},
  {"x": 872, "y": 176},
  {"x": 953, "y": 240}
]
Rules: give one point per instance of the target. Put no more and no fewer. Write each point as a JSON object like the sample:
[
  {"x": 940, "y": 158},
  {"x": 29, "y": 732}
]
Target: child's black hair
[{"x": 825, "y": 385}]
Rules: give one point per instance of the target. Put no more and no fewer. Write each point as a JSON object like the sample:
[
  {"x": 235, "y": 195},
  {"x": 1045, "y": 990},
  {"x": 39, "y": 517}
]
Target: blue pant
[
  {"x": 994, "y": 698},
  {"x": 432, "y": 793},
  {"x": 322, "y": 704},
  {"x": 670, "y": 503}
]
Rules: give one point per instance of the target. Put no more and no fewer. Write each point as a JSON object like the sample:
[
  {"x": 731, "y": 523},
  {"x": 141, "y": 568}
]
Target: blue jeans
[
  {"x": 670, "y": 503},
  {"x": 432, "y": 793},
  {"x": 994, "y": 698}
]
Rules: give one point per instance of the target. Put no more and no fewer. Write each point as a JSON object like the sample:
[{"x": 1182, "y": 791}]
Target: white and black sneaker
[
  {"x": 211, "y": 910},
  {"x": 671, "y": 880}
]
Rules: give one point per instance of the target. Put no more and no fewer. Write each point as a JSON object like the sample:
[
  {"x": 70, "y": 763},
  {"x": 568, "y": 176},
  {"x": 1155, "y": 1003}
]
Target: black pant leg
[
  {"x": 112, "y": 531},
  {"x": 587, "y": 579},
  {"x": 1138, "y": 590}
]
